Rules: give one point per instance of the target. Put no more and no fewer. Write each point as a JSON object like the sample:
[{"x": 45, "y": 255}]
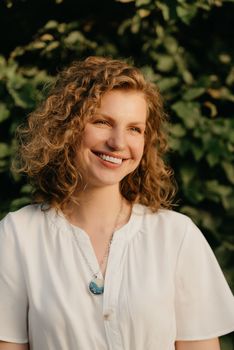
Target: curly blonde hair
[{"x": 49, "y": 141}]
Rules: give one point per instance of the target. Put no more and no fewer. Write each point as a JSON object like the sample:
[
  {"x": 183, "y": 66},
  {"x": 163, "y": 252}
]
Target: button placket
[{"x": 111, "y": 292}]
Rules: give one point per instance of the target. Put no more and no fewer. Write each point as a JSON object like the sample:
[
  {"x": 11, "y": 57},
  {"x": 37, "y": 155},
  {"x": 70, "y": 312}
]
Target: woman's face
[{"x": 113, "y": 140}]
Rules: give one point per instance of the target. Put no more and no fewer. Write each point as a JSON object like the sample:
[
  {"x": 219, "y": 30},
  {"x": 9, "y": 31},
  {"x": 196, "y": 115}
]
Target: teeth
[{"x": 110, "y": 159}]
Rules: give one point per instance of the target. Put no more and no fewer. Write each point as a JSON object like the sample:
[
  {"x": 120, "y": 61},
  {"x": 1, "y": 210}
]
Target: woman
[{"x": 99, "y": 261}]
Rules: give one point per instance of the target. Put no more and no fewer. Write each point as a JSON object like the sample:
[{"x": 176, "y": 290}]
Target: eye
[
  {"x": 136, "y": 129},
  {"x": 101, "y": 122}
]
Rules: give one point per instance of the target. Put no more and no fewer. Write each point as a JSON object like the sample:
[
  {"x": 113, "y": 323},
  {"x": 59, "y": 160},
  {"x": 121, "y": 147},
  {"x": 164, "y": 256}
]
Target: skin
[
  {"x": 210, "y": 344},
  {"x": 117, "y": 129},
  {"x": 13, "y": 346}
]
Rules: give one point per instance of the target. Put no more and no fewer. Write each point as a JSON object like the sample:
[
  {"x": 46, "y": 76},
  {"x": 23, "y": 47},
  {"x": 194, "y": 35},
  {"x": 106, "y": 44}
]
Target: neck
[{"x": 99, "y": 210}]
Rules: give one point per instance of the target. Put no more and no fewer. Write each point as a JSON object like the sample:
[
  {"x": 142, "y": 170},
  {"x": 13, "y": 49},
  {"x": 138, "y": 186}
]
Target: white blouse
[{"x": 162, "y": 284}]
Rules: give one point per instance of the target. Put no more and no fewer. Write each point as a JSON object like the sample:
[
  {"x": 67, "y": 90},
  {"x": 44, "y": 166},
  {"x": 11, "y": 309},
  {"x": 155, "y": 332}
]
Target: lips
[{"x": 110, "y": 158}]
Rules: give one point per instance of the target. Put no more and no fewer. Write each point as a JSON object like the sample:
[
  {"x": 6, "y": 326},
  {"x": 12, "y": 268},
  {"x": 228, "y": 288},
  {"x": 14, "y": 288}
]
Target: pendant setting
[{"x": 96, "y": 286}]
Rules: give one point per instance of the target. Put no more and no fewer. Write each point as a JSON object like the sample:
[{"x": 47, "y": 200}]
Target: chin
[{"x": 104, "y": 181}]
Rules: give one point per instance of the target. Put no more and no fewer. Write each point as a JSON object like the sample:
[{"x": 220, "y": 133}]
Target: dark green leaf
[{"x": 4, "y": 112}]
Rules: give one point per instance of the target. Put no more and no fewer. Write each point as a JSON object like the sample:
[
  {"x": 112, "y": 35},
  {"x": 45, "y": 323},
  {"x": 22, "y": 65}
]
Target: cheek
[
  {"x": 92, "y": 137},
  {"x": 139, "y": 150},
  {"x": 87, "y": 139}
]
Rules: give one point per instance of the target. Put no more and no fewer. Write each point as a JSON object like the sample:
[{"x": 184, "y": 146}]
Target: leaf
[
  {"x": 160, "y": 31},
  {"x": 177, "y": 130},
  {"x": 165, "y": 63},
  {"x": 187, "y": 13},
  {"x": 74, "y": 37},
  {"x": 187, "y": 76},
  {"x": 2, "y": 67},
  {"x": 213, "y": 186},
  {"x": 135, "y": 25},
  {"x": 51, "y": 46},
  {"x": 124, "y": 26},
  {"x": 47, "y": 37},
  {"x": 212, "y": 159},
  {"x": 165, "y": 10},
  {"x": 5, "y": 150},
  {"x": 62, "y": 27},
  {"x": 143, "y": 13},
  {"x": 23, "y": 94},
  {"x": 226, "y": 94},
  {"x": 188, "y": 111},
  {"x": 3, "y": 165},
  {"x": 229, "y": 170},
  {"x": 165, "y": 84},
  {"x": 37, "y": 45},
  {"x": 51, "y": 25},
  {"x": 193, "y": 192},
  {"x": 171, "y": 44},
  {"x": 142, "y": 2},
  {"x": 193, "y": 93},
  {"x": 175, "y": 144},
  {"x": 148, "y": 73},
  {"x": 222, "y": 93},
  {"x": 215, "y": 149},
  {"x": 26, "y": 189},
  {"x": 2, "y": 61},
  {"x": 197, "y": 151},
  {"x": 212, "y": 108},
  {"x": 14, "y": 79},
  {"x": 19, "y": 202},
  {"x": 4, "y": 112},
  {"x": 228, "y": 202},
  {"x": 225, "y": 58},
  {"x": 230, "y": 77},
  {"x": 187, "y": 174}
]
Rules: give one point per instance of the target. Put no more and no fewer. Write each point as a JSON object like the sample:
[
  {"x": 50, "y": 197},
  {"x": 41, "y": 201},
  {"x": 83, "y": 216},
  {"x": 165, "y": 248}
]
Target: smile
[{"x": 109, "y": 158}]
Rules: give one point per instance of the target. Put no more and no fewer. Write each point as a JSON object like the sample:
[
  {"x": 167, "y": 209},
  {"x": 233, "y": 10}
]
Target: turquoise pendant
[{"x": 96, "y": 286}]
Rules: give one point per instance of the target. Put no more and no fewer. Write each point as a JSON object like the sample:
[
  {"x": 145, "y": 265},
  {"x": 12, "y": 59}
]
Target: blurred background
[{"x": 186, "y": 47}]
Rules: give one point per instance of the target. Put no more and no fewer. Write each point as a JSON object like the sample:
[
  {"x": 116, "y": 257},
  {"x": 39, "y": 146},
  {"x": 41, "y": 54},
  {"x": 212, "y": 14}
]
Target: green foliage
[{"x": 173, "y": 43}]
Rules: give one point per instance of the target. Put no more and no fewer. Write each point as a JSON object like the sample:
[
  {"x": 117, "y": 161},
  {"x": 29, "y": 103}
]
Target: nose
[{"x": 117, "y": 140}]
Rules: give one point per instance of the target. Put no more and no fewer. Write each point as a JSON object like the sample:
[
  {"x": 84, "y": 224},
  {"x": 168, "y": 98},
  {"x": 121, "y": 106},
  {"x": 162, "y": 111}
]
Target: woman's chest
[{"x": 138, "y": 291}]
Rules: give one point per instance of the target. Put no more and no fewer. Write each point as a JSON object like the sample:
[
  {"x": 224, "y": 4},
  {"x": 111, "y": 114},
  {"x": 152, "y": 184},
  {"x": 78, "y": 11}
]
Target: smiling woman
[
  {"x": 99, "y": 260},
  {"x": 85, "y": 91},
  {"x": 114, "y": 142}
]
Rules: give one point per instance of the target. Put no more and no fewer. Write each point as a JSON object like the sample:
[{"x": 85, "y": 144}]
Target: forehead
[{"x": 124, "y": 103}]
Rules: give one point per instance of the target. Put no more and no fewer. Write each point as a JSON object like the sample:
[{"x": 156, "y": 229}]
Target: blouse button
[{"x": 107, "y": 315}]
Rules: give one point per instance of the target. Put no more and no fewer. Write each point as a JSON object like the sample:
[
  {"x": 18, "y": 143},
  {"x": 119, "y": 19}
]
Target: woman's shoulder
[
  {"x": 162, "y": 216},
  {"x": 26, "y": 219},
  {"x": 164, "y": 223},
  {"x": 23, "y": 214}
]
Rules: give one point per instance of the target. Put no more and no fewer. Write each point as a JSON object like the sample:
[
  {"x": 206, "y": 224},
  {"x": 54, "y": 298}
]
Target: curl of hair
[{"x": 49, "y": 141}]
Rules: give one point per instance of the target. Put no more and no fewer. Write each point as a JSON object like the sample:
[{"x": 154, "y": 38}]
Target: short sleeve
[
  {"x": 204, "y": 302},
  {"x": 13, "y": 296}
]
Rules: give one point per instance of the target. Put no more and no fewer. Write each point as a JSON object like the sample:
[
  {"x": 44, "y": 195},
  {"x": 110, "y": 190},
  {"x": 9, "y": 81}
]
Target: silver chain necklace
[{"x": 96, "y": 285}]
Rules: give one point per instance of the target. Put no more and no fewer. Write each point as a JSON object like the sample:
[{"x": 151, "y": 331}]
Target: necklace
[{"x": 96, "y": 285}]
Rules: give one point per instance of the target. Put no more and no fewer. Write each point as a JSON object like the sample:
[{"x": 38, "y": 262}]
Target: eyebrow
[{"x": 108, "y": 117}]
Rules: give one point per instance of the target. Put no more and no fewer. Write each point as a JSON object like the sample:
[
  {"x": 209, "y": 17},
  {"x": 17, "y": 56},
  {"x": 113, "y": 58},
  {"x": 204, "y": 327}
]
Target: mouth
[{"x": 110, "y": 159}]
